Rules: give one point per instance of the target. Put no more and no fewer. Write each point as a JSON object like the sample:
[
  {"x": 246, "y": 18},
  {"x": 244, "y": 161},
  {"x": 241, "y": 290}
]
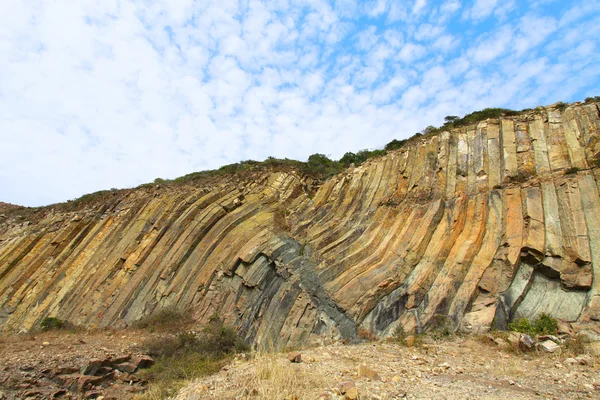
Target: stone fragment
[
  {"x": 571, "y": 361},
  {"x": 128, "y": 367},
  {"x": 444, "y": 366},
  {"x": 142, "y": 362},
  {"x": 548, "y": 346},
  {"x": 91, "y": 367},
  {"x": 409, "y": 340},
  {"x": 584, "y": 359},
  {"x": 351, "y": 394},
  {"x": 86, "y": 382},
  {"x": 549, "y": 337},
  {"x": 345, "y": 386},
  {"x": 526, "y": 342},
  {"x": 366, "y": 372},
  {"x": 294, "y": 357},
  {"x": 513, "y": 338}
]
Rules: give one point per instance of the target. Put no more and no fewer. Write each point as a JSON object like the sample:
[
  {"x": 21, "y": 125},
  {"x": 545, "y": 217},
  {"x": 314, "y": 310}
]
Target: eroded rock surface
[{"x": 478, "y": 225}]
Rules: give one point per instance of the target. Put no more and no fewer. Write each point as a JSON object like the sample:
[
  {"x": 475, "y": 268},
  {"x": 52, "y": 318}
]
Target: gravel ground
[{"x": 461, "y": 368}]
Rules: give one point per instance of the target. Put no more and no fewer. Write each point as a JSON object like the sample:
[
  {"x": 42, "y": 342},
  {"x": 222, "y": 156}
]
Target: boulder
[
  {"x": 142, "y": 362},
  {"x": 526, "y": 342},
  {"x": 513, "y": 338},
  {"x": 548, "y": 346},
  {"x": 93, "y": 365},
  {"x": 128, "y": 367},
  {"x": 294, "y": 357},
  {"x": 584, "y": 359},
  {"x": 571, "y": 361}
]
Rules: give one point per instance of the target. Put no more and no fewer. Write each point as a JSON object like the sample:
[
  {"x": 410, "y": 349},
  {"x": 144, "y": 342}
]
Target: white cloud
[
  {"x": 95, "y": 95},
  {"x": 428, "y": 31},
  {"x": 419, "y": 5},
  {"x": 411, "y": 52}
]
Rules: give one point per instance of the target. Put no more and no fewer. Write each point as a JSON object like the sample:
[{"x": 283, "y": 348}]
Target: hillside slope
[{"x": 479, "y": 225}]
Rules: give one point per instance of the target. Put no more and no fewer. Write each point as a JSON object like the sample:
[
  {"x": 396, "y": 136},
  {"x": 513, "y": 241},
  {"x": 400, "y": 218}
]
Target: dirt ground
[
  {"x": 41, "y": 366},
  {"x": 31, "y": 366},
  {"x": 459, "y": 368}
]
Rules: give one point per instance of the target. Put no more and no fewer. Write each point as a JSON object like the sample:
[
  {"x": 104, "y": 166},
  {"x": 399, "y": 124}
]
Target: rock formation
[{"x": 468, "y": 228}]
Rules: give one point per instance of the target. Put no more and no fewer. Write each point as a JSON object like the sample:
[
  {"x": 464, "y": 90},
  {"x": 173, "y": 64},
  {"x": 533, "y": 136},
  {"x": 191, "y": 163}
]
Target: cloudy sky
[{"x": 107, "y": 93}]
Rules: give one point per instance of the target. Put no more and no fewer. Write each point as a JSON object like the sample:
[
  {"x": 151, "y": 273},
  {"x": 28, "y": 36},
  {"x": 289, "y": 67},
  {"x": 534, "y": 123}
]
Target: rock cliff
[{"x": 469, "y": 228}]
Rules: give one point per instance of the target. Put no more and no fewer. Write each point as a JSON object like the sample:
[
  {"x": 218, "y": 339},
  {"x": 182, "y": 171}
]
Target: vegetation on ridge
[{"x": 318, "y": 166}]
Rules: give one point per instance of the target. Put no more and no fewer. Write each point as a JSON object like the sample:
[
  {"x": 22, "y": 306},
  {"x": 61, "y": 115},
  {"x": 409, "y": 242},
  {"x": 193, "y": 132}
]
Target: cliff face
[{"x": 479, "y": 225}]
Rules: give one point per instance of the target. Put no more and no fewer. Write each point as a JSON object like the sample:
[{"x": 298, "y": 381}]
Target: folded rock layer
[{"x": 468, "y": 229}]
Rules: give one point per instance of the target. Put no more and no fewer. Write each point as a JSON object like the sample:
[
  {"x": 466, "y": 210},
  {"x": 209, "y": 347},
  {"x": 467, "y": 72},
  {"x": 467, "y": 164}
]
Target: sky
[{"x": 111, "y": 94}]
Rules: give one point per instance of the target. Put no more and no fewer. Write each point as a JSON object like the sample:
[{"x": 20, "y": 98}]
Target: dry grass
[{"x": 274, "y": 378}]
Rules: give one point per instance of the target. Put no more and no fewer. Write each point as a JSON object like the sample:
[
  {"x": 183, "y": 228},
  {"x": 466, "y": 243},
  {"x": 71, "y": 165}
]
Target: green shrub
[
  {"x": 561, "y": 106},
  {"x": 360, "y": 157},
  {"x": 592, "y": 99},
  {"x": 543, "y": 325},
  {"x": 395, "y": 144},
  {"x": 52, "y": 323},
  {"x": 522, "y": 325},
  {"x": 546, "y": 325}
]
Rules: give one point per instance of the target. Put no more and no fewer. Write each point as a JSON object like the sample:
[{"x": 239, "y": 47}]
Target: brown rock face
[{"x": 465, "y": 230}]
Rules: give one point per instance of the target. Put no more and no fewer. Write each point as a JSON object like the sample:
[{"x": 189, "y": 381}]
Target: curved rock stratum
[{"x": 470, "y": 228}]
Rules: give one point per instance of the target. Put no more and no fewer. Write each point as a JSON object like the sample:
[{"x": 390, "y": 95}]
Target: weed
[
  {"x": 520, "y": 177},
  {"x": 52, "y": 323},
  {"x": 366, "y": 335},
  {"x": 543, "y": 325},
  {"x": 561, "y": 106},
  {"x": 576, "y": 345},
  {"x": 440, "y": 327},
  {"x": 281, "y": 219},
  {"x": 165, "y": 319},
  {"x": 399, "y": 334}
]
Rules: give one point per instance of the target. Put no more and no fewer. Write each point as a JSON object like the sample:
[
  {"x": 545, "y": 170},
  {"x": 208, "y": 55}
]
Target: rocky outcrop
[{"x": 469, "y": 228}]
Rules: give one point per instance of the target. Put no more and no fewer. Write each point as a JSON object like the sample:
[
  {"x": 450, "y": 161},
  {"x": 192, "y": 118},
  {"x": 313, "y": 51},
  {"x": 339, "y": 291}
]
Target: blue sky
[{"x": 103, "y": 94}]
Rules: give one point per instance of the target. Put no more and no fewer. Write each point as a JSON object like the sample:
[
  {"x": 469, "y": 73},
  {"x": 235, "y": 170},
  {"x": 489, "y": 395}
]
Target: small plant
[
  {"x": 520, "y": 177},
  {"x": 543, "y": 325},
  {"x": 546, "y": 325},
  {"x": 281, "y": 219},
  {"x": 576, "y": 345},
  {"x": 561, "y": 106},
  {"x": 366, "y": 335},
  {"x": 440, "y": 326},
  {"x": 522, "y": 325},
  {"x": 572, "y": 170},
  {"x": 52, "y": 323},
  {"x": 399, "y": 334}
]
